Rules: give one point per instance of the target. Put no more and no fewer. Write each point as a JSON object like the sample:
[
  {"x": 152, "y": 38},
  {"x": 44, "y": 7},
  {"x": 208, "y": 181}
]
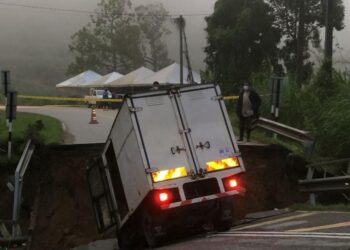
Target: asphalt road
[
  {"x": 297, "y": 230},
  {"x": 292, "y": 230},
  {"x": 75, "y": 122}
]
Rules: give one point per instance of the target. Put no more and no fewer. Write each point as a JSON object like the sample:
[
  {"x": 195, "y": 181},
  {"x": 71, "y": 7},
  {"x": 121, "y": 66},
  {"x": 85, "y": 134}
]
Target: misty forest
[{"x": 244, "y": 41}]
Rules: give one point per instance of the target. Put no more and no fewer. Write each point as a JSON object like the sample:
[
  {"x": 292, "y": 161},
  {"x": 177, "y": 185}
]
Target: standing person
[
  {"x": 247, "y": 110},
  {"x": 105, "y": 97},
  {"x": 155, "y": 86}
]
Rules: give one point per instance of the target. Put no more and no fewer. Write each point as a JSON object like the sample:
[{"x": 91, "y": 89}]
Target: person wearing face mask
[{"x": 247, "y": 110}]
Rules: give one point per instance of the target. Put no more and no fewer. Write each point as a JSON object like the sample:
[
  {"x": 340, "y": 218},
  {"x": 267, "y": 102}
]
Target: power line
[
  {"x": 90, "y": 12},
  {"x": 46, "y": 8}
]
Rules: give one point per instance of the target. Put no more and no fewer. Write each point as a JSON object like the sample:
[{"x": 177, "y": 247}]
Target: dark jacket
[{"x": 255, "y": 101}]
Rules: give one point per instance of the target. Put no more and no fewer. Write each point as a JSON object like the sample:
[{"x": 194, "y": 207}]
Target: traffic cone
[{"x": 93, "y": 119}]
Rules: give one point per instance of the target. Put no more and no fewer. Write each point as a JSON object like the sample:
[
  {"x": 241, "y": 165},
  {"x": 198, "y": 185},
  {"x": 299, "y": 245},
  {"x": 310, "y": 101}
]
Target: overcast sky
[{"x": 40, "y": 38}]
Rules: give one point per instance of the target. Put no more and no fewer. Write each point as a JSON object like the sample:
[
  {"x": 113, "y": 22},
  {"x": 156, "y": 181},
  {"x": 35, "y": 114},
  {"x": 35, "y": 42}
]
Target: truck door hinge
[
  {"x": 151, "y": 170},
  {"x": 136, "y": 109},
  {"x": 175, "y": 91},
  {"x": 184, "y": 131},
  {"x": 217, "y": 98}
]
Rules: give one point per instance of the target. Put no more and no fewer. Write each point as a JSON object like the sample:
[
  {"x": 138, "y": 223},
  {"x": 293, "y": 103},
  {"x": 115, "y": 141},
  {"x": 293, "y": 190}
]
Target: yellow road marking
[
  {"x": 231, "y": 97},
  {"x": 309, "y": 229},
  {"x": 276, "y": 221}
]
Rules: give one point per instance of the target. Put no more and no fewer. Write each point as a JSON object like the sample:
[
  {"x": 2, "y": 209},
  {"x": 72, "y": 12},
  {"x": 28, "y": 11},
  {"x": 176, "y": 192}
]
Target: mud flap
[{"x": 100, "y": 196}]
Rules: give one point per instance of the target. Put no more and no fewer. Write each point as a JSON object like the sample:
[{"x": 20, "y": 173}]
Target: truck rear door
[
  {"x": 211, "y": 131},
  {"x": 167, "y": 152}
]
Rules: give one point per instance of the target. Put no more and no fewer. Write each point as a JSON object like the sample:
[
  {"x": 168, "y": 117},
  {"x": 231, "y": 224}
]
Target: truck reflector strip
[
  {"x": 169, "y": 174},
  {"x": 222, "y": 164}
]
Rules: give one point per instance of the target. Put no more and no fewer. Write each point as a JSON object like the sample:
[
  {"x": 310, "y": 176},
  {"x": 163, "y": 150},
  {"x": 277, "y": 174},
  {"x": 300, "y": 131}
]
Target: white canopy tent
[
  {"x": 80, "y": 80},
  {"x": 170, "y": 75},
  {"x": 104, "y": 80},
  {"x": 132, "y": 79}
]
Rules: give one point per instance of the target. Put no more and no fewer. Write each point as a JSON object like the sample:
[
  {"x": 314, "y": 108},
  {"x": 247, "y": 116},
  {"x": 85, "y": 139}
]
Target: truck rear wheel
[
  {"x": 124, "y": 240},
  {"x": 153, "y": 237},
  {"x": 224, "y": 216}
]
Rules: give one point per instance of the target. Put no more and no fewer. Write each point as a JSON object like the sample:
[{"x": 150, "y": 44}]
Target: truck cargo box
[{"x": 168, "y": 151}]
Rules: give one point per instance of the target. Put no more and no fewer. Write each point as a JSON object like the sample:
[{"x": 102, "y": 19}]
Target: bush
[{"x": 325, "y": 113}]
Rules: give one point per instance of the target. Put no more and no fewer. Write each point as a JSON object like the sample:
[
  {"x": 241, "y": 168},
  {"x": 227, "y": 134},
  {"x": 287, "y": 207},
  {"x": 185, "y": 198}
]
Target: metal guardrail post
[
  {"x": 312, "y": 196},
  {"x": 335, "y": 178},
  {"x": 19, "y": 174}
]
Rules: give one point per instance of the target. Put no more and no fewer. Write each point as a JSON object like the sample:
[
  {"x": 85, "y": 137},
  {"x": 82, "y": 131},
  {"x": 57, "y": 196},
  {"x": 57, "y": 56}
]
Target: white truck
[
  {"x": 95, "y": 96},
  {"x": 170, "y": 162}
]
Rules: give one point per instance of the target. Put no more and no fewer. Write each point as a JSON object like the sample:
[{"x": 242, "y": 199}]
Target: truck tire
[
  {"x": 124, "y": 240},
  {"x": 152, "y": 238},
  {"x": 224, "y": 216}
]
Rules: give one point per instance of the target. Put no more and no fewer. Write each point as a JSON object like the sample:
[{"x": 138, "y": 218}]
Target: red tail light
[
  {"x": 231, "y": 183},
  {"x": 163, "y": 196}
]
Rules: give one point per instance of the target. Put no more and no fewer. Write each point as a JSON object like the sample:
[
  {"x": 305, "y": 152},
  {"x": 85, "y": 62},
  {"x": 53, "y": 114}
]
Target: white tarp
[
  {"x": 80, "y": 80},
  {"x": 132, "y": 79},
  {"x": 104, "y": 81},
  {"x": 170, "y": 75}
]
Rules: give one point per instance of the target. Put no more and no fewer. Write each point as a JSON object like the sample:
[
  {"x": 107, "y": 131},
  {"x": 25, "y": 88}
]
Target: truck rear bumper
[{"x": 238, "y": 191}]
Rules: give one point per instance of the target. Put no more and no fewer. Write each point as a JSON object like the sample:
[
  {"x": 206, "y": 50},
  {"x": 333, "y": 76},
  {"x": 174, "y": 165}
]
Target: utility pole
[
  {"x": 328, "y": 53},
  {"x": 300, "y": 44},
  {"x": 11, "y": 108},
  {"x": 181, "y": 23},
  {"x": 5, "y": 80}
]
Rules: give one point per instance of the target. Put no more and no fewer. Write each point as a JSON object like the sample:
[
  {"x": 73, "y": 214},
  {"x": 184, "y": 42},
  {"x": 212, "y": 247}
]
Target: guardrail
[
  {"x": 305, "y": 138},
  {"x": 19, "y": 174},
  {"x": 6, "y": 240},
  {"x": 284, "y": 130},
  {"x": 327, "y": 176},
  {"x": 15, "y": 238}
]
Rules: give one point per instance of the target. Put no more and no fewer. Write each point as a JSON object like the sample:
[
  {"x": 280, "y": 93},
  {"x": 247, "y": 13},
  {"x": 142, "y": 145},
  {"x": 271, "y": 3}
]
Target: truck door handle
[
  {"x": 177, "y": 149},
  {"x": 203, "y": 145}
]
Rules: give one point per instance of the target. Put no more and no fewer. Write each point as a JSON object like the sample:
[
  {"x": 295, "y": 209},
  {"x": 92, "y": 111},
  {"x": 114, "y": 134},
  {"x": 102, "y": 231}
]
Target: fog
[{"x": 34, "y": 42}]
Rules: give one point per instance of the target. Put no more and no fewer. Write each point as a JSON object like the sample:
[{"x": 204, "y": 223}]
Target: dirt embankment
[
  {"x": 271, "y": 179},
  {"x": 57, "y": 177}
]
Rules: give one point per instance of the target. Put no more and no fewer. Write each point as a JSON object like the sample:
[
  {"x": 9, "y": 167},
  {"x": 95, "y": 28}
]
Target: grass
[
  {"x": 320, "y": 207},
  {"x": 51, "y": 133}
]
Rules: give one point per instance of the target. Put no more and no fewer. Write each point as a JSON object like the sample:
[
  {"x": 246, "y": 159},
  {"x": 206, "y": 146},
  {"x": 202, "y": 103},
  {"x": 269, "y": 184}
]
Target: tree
[
  {"x": 116, "y": 39},
  {"x": 300, "y": 22},
  {"x": 151, "y": 19},
  {"x": 241, "y": 37}
]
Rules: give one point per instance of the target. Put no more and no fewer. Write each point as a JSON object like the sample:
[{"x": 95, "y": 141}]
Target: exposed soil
[
  {"x": 56, "y": 178},
  {"x": 65, "y": 216},
  {"x": 271, "y": 179}
]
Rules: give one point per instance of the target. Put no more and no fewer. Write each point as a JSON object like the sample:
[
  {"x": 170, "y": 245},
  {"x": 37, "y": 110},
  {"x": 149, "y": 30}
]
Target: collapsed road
[{"x": 64, "y": 213}]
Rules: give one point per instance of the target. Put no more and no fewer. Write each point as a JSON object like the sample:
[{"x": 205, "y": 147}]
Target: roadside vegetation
[
  {"x": 41, "y": 129},
  {"x": 244, "y": 44}
]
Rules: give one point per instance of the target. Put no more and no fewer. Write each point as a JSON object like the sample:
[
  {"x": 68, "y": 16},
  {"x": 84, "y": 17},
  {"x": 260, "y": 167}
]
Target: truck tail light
[
  {"x": 222, "y": 164},
  {"x": 231, "y": 183},
  {"x": 163, "y": 196}
]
